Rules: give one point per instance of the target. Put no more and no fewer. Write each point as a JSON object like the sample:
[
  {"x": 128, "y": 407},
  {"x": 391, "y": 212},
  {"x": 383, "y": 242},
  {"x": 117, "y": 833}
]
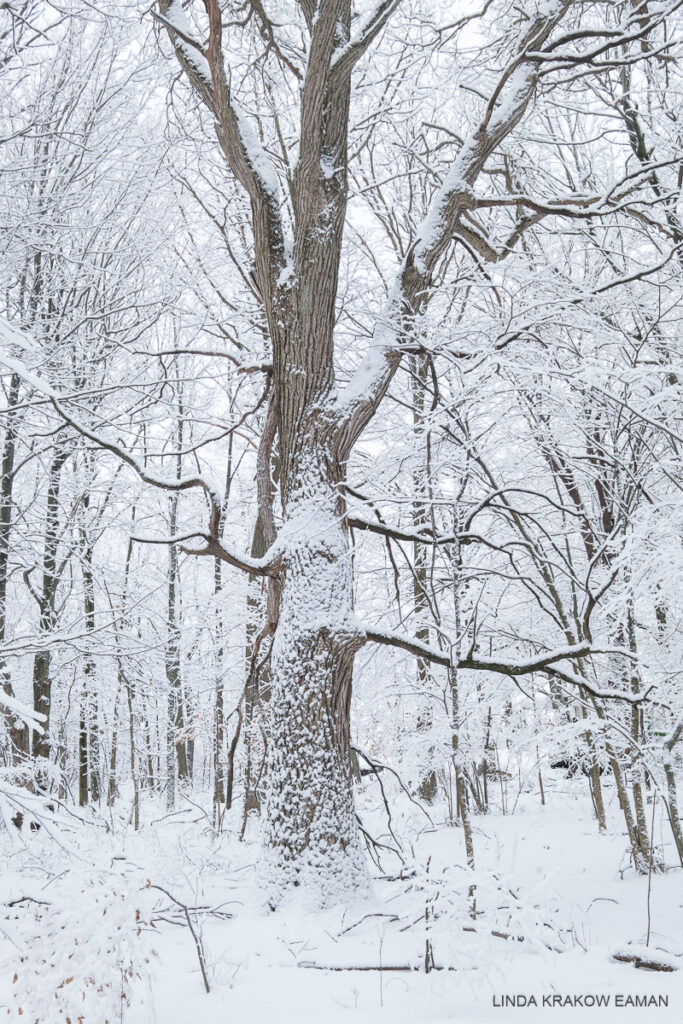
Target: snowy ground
[{"x": 543, "y": 874}]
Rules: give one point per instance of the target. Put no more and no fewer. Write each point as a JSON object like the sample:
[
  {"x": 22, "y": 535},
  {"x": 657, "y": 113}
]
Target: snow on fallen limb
[{"x": 648, "y": 958}]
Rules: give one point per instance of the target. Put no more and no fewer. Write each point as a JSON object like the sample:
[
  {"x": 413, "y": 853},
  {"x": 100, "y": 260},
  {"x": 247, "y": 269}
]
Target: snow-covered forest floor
[{"x": 544, "y": 875}]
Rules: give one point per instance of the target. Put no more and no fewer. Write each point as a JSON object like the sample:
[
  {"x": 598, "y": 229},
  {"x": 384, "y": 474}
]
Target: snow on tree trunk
[{"x": 312, "y": 838}]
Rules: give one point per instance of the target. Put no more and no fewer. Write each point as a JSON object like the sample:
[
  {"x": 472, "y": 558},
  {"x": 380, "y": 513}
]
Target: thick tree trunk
[
  {"x": 312, "y": 838},
  {"x": 311, "y": 830}
]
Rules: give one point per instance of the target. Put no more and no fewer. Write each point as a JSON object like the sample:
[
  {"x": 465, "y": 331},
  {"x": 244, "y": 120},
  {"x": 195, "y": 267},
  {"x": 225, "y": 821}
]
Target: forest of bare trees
[{"x": 341, "y": 442}]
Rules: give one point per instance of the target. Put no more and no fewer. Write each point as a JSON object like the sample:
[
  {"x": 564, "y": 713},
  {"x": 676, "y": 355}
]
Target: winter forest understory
[{"x": 341, "y": 511}]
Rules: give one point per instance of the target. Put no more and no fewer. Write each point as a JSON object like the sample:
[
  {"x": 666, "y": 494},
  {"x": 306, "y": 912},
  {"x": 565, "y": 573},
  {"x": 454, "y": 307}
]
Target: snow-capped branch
[
  {"x": 180, "y": 484},
  {"x": 412, "y": 290},
  {"x": 416, "y": 647},
  {"x": 246, "y": 157},
  {"x": 356, "y": 523},
  {"x": 505, "y": 665},
  {"x": 345, "y": 58},
  {"x": 26, "y": 714},
  {"x": 268, "y": 565},
  {"x": 596, "y": 691},
  {"x": 545, "y": 662}
]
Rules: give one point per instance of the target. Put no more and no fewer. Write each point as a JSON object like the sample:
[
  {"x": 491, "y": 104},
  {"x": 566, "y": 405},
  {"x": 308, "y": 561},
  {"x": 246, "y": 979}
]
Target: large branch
[
  {"x": 415, "y": 647},
  {"x": 266, "y": 566},
  {"x": 205, "y": 69},
  {"x": 357, "y": 404},
  {"x": 345, "y": 58},
  {"x": 394, "y": 533},
  {"x": 513, "y": 667},
  {"x": 179, "y": 484}
]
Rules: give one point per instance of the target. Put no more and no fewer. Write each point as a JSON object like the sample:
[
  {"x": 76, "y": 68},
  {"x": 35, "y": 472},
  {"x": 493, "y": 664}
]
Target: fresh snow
[
  {"x": 543, "y": 873},
  {"x": 176, "y": 16}
]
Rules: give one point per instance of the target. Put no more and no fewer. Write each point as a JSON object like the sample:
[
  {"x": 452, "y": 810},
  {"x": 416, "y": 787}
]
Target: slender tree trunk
[
  {"x": 82, "y": 756},
  {"x": 219, "y": 711},
  {"x": 18, "y": 732},
  {"x": 594, "y": 780},
  {"x": 42, "y": 682},
  {"x": 126, "y": 685},
  {"x": 176, "y": 749},
  {"x": 421, "y": 518},
  {"x": 637, "y": 771},
  {"x": 219, "y": 739},
  {"x": 258, "y": 669},
  {"x": 153, "y": 776},
  {"x": 668, "y": 746},
  {"x": 89, "y": 740},
  {"x": 112, "y": 788},
  {"x": 132, "y": 749},
  {"x": 638, "y": 850},
  {"x": 672, "y": 806},
  {"x": 456, "y": 725},
  {"x": 598, "y": 799}
]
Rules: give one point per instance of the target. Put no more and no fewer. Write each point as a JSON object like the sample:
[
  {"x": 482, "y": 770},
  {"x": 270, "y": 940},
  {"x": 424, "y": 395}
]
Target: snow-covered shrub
[
  {"x": 84, "y": 951},
  {"x": 471, "y": 915}
]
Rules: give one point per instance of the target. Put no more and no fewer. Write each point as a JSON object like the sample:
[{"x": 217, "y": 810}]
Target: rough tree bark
[
  {"x": 419, "y": 370},
  {"x": 46, "y": 598},
  {"x": 259, "y": 675},
  {"x": 18, "y": 733},
  {"x": 88, "y": 737}
]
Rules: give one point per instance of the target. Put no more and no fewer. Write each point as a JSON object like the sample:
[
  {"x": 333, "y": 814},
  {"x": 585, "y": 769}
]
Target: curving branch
[
  {"x": 344, "y": 59},
  {"x": 513, "y": 667},
  {"x": 269, "y": 565},
  {"x": 508, "y": 102},
  {"x": 180, "y": 484},
  {"x": 204, "y": 67}
]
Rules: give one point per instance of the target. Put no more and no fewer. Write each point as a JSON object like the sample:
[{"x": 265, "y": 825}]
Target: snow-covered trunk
[
  {"x": 42, "y": 663},
  {"x": 312, "y": 838},
  {"x": 18, "y": 733},
  {"x": 88, "y": 739},
  {"x": 672, "y": 805},
  {"x": 462, "y": 806},
  {"x": 422, "y": 482}
]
